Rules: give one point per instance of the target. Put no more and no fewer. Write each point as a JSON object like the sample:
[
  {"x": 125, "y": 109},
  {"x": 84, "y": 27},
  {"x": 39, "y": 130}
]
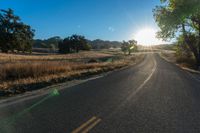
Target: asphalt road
[{"x": 152, "y": 97}]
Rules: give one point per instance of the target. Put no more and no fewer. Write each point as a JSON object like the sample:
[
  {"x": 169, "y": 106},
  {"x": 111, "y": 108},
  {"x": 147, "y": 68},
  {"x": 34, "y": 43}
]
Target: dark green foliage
[
  {"x": 95, "y": 44},
  {"x": 180, "y": 17},
  {"x": 182, "y": 49},
  {"x": 14, "y": 34},
  {"x": 74, "y": 43},
  {"x": 130, "y": 46},
  {"x": 77, "y": 42},
  {"x": 65, "y": 46},
  {"x": 101, "y": 44}
]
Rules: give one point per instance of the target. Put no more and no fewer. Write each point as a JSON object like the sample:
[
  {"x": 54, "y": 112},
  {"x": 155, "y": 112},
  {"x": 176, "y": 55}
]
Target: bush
[{"x": 187, "y": 62}]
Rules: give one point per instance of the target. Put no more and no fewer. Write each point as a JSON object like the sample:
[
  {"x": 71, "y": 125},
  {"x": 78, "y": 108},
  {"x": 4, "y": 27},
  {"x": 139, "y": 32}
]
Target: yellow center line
[
  {"x": 91, "y": 126},
  {"x": 84, "y": 125}
]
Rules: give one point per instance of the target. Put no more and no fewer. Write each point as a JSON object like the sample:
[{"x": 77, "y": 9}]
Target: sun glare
[{"x": 147, "y": 37}]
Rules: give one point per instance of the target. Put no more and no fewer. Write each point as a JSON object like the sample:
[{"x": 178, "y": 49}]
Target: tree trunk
[
  {"x": 129, "y": 52},
  {"x": 198, "y": 62},
  {"x": 77, "y": 49},
  {"x": 195, "y": 51},
  {"x": 198, "y": 59}
]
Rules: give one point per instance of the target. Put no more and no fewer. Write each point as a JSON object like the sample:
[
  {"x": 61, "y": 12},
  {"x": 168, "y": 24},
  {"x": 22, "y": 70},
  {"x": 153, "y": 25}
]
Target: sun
[{"x": 147, "y": 37}]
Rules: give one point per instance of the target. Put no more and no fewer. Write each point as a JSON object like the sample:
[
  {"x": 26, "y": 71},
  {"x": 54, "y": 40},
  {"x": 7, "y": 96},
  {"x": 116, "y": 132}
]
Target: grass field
[{"x": 20, "y": 73}]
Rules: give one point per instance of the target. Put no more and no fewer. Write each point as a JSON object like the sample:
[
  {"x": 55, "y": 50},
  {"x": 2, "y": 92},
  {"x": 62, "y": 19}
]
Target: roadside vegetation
[
  {"x": 181, "y": 59},
  {"x": 24, "y": 67},
  {"x": 180, "y": 20},
  {"x": 21, "y": 73}
]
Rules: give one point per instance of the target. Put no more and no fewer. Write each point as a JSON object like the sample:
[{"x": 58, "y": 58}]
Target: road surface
[{"x": 152, "y": 97}]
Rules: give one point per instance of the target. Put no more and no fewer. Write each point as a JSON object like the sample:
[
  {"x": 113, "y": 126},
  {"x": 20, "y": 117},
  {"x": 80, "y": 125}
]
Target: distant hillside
[
  {"x": 47, "y": 43},
  {"x": 101, "y": 44},
  {"x": 165, "y": 46},
  {"x": 52, "y": 43}
]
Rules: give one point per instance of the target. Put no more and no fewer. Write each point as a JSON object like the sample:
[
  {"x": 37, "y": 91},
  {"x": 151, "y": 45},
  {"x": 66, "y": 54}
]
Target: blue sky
[{"x": 104, "y": 19}]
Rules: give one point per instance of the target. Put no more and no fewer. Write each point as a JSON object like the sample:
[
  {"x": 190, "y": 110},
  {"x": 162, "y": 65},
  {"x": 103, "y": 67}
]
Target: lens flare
[{"x": 147, "y": 37}]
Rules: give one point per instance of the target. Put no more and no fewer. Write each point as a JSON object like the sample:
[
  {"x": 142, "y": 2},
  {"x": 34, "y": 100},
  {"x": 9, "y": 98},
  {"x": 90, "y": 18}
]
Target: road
[{"x": 154, "y": 96}]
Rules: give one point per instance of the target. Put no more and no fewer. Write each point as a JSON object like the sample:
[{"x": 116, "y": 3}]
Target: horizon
[{"x": 113, "y": 20}]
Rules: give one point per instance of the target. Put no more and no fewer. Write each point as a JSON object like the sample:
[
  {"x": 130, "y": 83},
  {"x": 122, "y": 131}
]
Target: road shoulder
[{"x": 184, "y": 68}]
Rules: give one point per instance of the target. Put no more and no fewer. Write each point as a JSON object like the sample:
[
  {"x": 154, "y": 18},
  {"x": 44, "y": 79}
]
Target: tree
[
  {"x": 78, "y": 42},
  {"x": 74, "y": 43},
  {"x": 86, "y": 46},
  {"x": 102, "y": 44},
  {"x": 124, "y": 47},
  {"x": 182, "y": 49},
  {"x": 65, "y": 46},
  {"x": 177, "y": 17},
  {"x": 130, "y": 46},
  {"x": 14, "y": 34}
]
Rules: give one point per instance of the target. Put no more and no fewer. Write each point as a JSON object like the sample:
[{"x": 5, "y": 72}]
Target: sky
[{"x": 95, "y": 19}]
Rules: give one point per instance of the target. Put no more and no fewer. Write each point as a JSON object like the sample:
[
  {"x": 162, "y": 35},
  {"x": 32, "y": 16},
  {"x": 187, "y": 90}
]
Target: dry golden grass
[
  {"x": 181, "y": 61},
  {"x": 20, "y": 74},
  {"x": 81, "y": 55},
  {"x": 32, "y": 69},
  {"x": 170, "y": 56}
]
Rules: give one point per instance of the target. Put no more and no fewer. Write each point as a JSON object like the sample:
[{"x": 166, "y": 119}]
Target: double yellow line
[{"x": 87, "y": 126}]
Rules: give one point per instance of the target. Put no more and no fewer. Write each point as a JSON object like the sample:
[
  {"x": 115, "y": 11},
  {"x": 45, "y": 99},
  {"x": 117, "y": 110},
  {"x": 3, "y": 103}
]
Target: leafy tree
[
  {"x": 78, "y": 42},
  {"x": 177, "y": 17},
  {"x": 130, "y": 46},
  {"x": 74, "y": 43},
  {"x": 124, "y": 47},
  {"x": 182, "y": 49},
  {"x": 14, "y": 34},
  {"x": 65, "y": 46},
  {"x": 86, "y": 46}
]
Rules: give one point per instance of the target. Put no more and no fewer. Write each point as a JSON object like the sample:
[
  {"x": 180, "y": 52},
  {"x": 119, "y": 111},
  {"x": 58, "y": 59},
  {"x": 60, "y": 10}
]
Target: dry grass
[
  {"x": 46, "y": 57},
  {"x": 181, "y": 61},
  {"x": 20, "y": 74},
  {"x": 171, "y": 56},
  {"x": 27, "y": 70}
]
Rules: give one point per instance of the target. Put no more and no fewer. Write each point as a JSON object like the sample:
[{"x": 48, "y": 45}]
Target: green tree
[
  {"x": 65, "y": 46},
  {"x": 130, "y": 46},
  {"x": 14, "y": 34},
  {"x": 78, "y": 42},
  {"x": 177, "y": 17},
  {"x": 86, "y": 46},
  {"x": 74, "y": 43},
  {"x": 182, "y": 49},
  {"x": 124, "y": 47}
]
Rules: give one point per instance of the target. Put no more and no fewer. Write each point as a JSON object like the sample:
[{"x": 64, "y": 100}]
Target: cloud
[{"x": 111, "y": 29}]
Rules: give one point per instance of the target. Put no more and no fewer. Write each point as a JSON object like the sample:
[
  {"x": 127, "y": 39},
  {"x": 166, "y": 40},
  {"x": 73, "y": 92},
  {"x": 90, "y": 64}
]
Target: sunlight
[{"x": 147, "y": 37}]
